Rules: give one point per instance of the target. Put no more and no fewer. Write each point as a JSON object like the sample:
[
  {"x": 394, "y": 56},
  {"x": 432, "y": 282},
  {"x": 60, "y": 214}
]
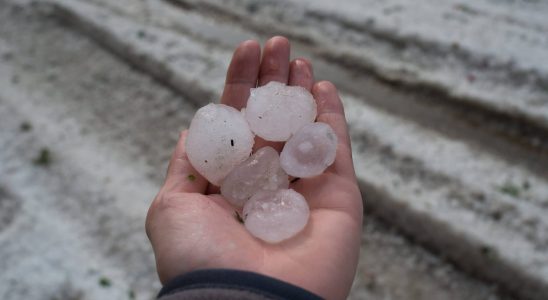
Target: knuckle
[
  {"x": 271, "y": 67},
  {"x": 165, "y": 201},
  {"x": 162, "y": 203}
]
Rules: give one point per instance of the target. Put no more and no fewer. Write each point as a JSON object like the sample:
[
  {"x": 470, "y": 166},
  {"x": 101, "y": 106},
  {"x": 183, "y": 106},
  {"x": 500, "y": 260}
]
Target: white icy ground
[
  {"x": 274, "y": 216},
  {"x": 275, "y": 111},
  {"x": 390, "y": 267},
  {"x": 486, "y": 52},
  {"x": 261, "y": 171},
  {"x": 218, "y": 139},
  {"x": 310, "y": 151}
]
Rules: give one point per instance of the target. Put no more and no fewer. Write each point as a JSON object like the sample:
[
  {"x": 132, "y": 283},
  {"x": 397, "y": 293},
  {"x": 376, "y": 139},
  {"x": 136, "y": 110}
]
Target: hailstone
[
  {"x": 274, "y": 216},
  {"x": 275, "y": 111},
  {"x": 219, "y": 138},
  {"x": 261, "y": 171},
  {"x": 310, "y": 151}
]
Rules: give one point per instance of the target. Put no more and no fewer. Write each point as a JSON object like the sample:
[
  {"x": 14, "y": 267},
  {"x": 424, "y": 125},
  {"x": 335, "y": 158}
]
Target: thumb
[{"x": 181, "y": 176}]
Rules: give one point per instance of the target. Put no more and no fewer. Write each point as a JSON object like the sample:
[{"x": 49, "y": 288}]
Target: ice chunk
[
  {"x": 276, "y": 111},
  {"x": 218, "y": 139},
  {"x": 261, "y": 171},
  {"x": 274, "y": 216},
  {"x": 310, "y": 151}
]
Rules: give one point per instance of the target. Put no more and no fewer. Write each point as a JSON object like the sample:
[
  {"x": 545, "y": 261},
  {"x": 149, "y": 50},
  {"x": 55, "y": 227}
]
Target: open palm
[{"x": 192, "y": 227}]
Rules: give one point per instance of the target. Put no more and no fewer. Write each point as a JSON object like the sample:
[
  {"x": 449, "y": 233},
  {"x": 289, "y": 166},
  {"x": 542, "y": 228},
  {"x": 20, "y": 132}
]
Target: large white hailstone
[
  {"x": 274, "y": 216},
  {"x": 310, "y": 151},
  {"x": 261, "y": 171},
  {"x": 275, "y": 111},
  {"x": 218, "y": 139}
]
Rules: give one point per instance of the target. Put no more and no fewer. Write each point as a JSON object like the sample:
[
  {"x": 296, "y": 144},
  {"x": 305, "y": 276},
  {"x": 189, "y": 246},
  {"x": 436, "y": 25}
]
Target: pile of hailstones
[{"x": 219, "y": 145}]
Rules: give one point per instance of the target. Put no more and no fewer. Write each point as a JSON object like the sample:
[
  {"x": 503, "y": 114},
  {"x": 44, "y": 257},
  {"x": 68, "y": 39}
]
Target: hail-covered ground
[{"x": 446, "y": 104}]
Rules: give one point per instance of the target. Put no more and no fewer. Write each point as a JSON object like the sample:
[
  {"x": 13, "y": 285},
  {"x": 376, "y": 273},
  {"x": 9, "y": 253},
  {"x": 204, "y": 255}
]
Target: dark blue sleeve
[{"x": 231, "y": 284}]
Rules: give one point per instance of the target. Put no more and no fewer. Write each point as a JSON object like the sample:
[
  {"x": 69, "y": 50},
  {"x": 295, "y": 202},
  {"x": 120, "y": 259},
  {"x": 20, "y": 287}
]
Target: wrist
[{"x": 228, "y": 281}]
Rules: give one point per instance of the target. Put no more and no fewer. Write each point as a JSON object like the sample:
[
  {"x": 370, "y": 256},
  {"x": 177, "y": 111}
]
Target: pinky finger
[{"x": 331, "y": 112}]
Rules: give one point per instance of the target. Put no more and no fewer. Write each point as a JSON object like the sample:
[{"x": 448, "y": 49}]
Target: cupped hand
[{"x": 191, "y": 227}]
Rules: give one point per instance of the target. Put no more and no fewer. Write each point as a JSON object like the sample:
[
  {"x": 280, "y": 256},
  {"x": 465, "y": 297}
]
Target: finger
[
  {"x": 181, "y": 176},
  {"x": 300, "y": 73},
  {"x": 331, "y": 112},
  {"x": 242, "y": 74},
  {"x": 275, "y": 61},
  {"x": 274, "y": 67}
]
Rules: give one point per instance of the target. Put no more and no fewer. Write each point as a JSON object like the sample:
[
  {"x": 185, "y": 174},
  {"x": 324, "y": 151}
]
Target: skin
[{"x": 192, "y": 227}]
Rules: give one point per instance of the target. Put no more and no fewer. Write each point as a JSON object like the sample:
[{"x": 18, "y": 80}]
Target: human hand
[{"x": 192, "y": 227}]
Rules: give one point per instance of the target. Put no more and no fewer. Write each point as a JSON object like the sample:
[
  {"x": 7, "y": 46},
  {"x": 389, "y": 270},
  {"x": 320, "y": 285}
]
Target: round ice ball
[
  {"x": 310, "y": 151},
  {"x": 275, "y": 111},
  {"x": 274, "y": 216},
  {"x": 218, "y": 139},
  {"x": 261, "y": 171}
]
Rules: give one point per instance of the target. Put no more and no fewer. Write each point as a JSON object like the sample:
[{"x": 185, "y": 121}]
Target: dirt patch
[{"x": 9, "y": 206}]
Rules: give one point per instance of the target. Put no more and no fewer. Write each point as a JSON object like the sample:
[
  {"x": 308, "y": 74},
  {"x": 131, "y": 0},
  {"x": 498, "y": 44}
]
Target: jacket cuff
[{"x": 226, "y": 279}]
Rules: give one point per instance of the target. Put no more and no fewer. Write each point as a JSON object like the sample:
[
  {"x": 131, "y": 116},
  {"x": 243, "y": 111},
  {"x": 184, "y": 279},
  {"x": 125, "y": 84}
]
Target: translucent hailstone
[
  {"x": 310, "y": 151},
  {"x": 261, "y": 171},
  {"x": 218, "y": 139},
  {"x": 274, "y": 216},
  {"x": 276, "y": 111}
]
